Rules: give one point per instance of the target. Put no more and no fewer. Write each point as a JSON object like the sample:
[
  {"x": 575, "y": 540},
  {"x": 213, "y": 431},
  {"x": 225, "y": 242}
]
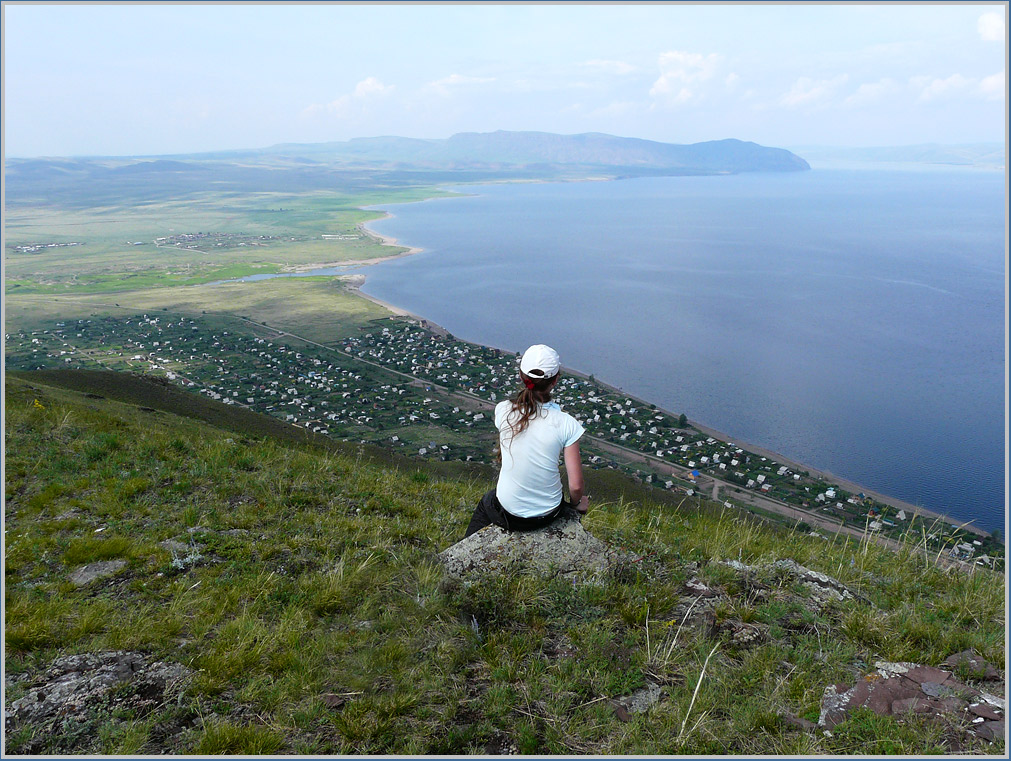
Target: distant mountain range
[
  {"x": 988, "y": 155},
  {"x": 362, "y": 165},
  {"x": 542, "y": 149}
]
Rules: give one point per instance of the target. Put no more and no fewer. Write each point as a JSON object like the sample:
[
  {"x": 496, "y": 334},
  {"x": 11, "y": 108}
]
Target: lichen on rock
[
  {"x": 563, "y": 547},
  {"x": 73, "y": 685}
]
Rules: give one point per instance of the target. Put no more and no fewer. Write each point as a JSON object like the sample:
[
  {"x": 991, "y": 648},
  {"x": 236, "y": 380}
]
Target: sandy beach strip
[{"x": 388, "y": 240}]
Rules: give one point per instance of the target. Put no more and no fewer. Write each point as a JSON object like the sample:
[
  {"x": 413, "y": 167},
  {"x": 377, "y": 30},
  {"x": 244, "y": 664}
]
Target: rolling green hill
[{"x": 293, "y": 583}]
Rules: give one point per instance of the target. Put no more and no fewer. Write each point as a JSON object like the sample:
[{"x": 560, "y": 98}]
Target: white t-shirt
[{"x": 529, "y": 484}]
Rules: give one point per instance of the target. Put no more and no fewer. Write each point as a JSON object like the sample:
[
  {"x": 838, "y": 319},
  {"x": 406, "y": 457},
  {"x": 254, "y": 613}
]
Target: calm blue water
[{"x": 851, "y": 320}]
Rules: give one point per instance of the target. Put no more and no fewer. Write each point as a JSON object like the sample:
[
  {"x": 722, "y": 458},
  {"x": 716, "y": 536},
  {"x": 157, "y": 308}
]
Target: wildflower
[{"x": 38, "y": 404}]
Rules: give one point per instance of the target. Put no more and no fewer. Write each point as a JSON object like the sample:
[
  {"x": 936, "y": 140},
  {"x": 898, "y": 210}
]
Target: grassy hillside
[{"x": 297, "y": 579}]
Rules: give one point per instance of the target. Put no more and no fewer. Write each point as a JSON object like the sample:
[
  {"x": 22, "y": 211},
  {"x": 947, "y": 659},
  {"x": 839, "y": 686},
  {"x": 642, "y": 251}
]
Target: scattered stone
[
  {"x": 797, "y": 722},
  {"x": 990, "y": 730},
  {"x": 993, "y": 700},
  {"x": 562, "y": 547},
  {"x": 737, "y": 565},
  {"x": 747, "y": 635},
  {"x": 86, "y": 574},
  {"x": 984, "y": 711},
  {"x": 741, "y": 634},
  {"x": 699, "y": 588},
  {"x": 898, "y": 689},
  {"x": 823, "y": 587},
  {"x": 639, "y": 701},
  {"x": 75, "y": 684},
  {"x": 971, "y": 660},
  {"x": 337, "y": 700}
]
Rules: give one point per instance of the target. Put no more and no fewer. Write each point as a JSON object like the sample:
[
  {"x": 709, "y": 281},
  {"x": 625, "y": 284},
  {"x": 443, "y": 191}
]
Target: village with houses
[
  {"x": 34, "y": 248},
  {"x": 199, "y": 241},
  {"x": 403, "y": 385}
]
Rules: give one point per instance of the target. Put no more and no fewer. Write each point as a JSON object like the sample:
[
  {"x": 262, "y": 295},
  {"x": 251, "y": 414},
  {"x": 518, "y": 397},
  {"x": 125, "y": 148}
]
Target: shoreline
[
  {"x": 388, "y": 240},
  {"x": 355, "y": 283}
]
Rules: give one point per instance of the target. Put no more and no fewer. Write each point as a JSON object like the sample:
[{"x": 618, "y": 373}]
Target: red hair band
[{"x": 528, "y": 383}]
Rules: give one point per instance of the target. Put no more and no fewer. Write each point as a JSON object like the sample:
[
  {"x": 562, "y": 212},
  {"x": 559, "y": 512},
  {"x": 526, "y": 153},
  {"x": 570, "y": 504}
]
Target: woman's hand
[{"x": 583, "y": 505}]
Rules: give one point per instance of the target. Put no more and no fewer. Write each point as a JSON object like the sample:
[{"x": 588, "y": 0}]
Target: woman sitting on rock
[{"x": 533, "y": 432}]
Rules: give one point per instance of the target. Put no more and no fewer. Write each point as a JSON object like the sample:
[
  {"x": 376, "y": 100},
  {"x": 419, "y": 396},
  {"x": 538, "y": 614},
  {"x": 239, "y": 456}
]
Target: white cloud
[
  {"x": 371, "y": 86},
  {"x": 812, "y": 92},
  {"x": 611, "y": 67},
  {"x": 872, "y": 92},
  {"x": 445, "y": 85},
  {"x": 731, "y": 80},
  {"x": 368, "y": 89},
  {"x": 994, "y": 87},
  {"x": 680, "y": 75},
  {"x": 937, "y": 88},
  {"x": 991, "y": 27}
]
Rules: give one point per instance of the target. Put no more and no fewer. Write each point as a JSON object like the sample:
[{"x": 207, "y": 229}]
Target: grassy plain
[
  {"x": 318, "y": 308},
  {"x": 183, "y": 242}
]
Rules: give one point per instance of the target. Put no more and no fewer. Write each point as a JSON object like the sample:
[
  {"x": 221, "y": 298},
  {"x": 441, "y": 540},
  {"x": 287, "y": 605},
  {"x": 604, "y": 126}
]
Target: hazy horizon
[
  {"x": 241, "y": 149},
  {"x": 151, "y": 79}
]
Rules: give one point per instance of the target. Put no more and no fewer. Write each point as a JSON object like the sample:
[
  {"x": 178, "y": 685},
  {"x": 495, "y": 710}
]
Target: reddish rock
[
  {"x": 952, "y": 705},
  {"x": 990, "y": 730},
  {"x": 886, "y": 692},
  {"x": 911, "y": 705},
  {"x": 975, "y": 662},
  {"x": 900, "y": 689},
  {"x": 982, "y": 709},
  {"x": 921, "y": 674}
]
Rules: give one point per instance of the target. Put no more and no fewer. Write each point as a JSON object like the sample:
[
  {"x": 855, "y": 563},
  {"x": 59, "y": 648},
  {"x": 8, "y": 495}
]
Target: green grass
[
  {"x": 316, "y": 619},
  {"x": 320, "y": 309},
  {"x": 120, "y": 250}
]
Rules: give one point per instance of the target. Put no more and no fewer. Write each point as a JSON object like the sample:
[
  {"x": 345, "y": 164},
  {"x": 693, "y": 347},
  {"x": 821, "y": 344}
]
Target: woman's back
[
  {"x": 529, "y": 483},
  {"x": 533, "y": 432}
]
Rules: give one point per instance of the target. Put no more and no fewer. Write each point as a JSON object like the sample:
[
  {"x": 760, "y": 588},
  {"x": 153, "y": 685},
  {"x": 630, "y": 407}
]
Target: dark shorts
[{"x": 489, "y": 511}]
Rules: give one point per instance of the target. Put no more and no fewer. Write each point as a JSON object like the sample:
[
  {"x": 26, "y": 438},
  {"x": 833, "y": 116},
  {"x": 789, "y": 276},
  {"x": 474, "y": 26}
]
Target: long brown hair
[{"x": 535, "y": 391}]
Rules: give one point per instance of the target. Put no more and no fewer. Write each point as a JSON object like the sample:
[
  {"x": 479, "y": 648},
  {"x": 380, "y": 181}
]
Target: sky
[{"x": 148, "y": 79}]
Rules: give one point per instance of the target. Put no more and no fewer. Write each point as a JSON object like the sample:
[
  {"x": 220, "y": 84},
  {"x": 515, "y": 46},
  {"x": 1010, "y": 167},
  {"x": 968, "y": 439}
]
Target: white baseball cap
[{"x": 540, "y": 361}]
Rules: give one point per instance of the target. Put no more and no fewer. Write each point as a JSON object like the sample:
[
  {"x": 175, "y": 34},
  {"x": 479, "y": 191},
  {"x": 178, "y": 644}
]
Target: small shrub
[
  {"x": 88, "y": 549},
  {"x": 226, "y": 738}
]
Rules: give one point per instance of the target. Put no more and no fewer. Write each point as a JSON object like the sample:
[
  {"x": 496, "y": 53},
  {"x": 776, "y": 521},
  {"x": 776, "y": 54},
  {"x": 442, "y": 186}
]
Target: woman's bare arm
[{"x": 574, "y": 475}]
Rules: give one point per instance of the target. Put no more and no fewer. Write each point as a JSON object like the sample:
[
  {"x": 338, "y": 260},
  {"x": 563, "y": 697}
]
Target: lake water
[{"x": 850, "y": 320}]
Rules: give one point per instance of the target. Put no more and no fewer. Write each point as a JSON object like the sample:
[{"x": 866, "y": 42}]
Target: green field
[
  {"x": 185, "y": 242},
  {"x": 318, "y": 308}
]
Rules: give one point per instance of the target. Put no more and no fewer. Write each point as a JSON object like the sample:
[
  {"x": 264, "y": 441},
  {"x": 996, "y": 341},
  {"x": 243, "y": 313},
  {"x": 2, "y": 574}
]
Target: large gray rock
[
  {"x": 86, "y": 574},
  {"x": 564, "y": 547},
  {"x": 75, "y": 684},
  {"x": 822, "y": 587}
]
